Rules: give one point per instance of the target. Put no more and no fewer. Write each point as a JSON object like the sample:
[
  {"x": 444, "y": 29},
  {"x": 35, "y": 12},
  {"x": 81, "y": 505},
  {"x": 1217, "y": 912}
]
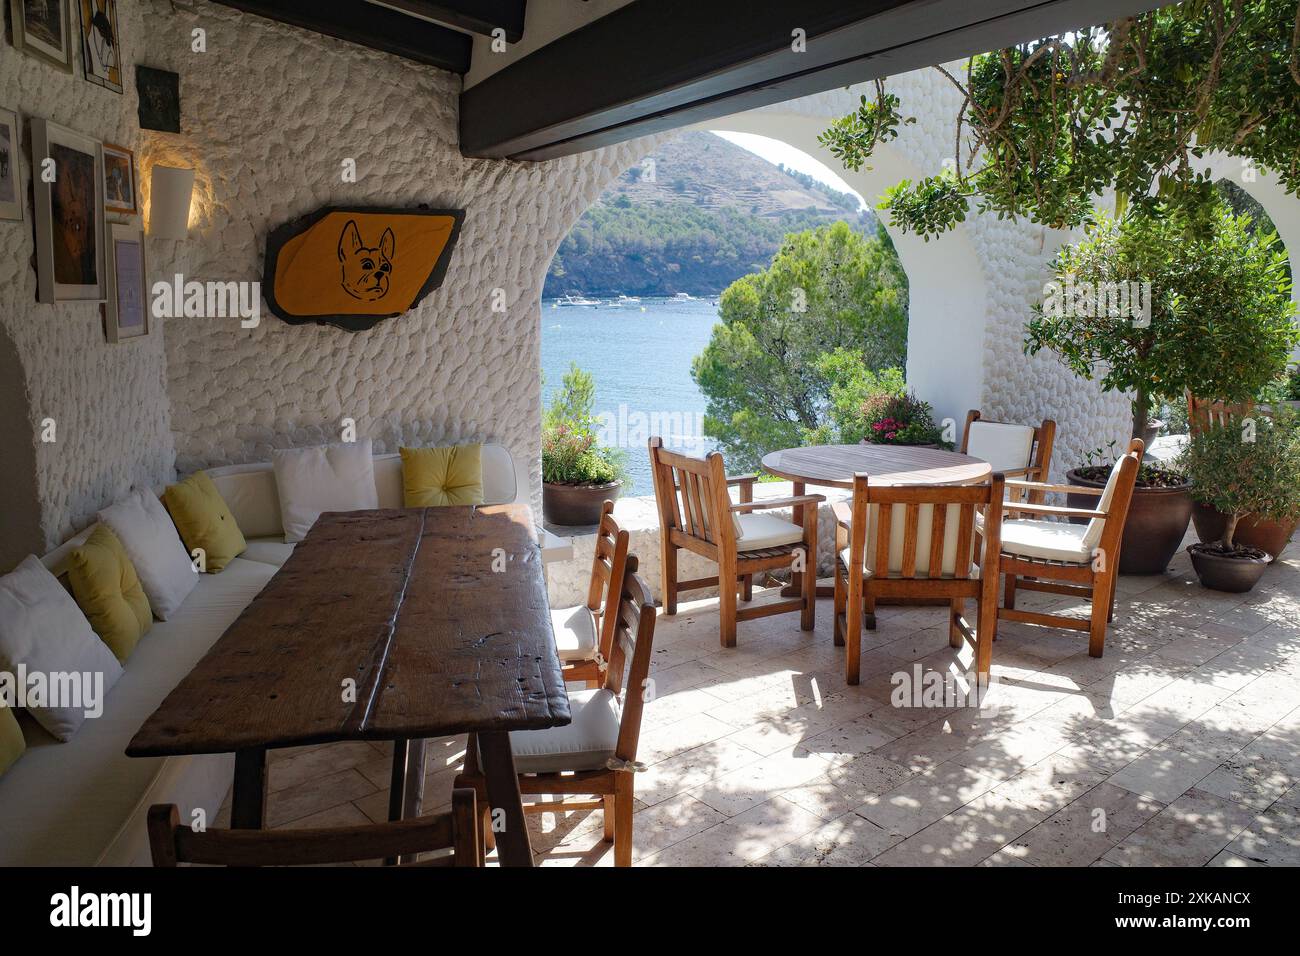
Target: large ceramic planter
[
  {"x": 574, "y": 506},
  {"x": 1232, "y": 573},
  {"x": 1252, "y": 532},
  {"x": 1157, "y": 522}
]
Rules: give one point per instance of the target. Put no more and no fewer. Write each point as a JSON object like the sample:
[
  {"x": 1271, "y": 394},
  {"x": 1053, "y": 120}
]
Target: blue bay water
[{"x": 641, "y": 357}]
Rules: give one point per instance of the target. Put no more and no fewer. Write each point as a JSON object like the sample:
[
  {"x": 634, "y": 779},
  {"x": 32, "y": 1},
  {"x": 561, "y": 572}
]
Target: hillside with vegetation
[{"x": 705, "y": 213}]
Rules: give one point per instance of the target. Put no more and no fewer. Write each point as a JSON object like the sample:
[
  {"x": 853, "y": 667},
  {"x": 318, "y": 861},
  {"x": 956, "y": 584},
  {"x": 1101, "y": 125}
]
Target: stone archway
[{"x": 20, "y": 514}]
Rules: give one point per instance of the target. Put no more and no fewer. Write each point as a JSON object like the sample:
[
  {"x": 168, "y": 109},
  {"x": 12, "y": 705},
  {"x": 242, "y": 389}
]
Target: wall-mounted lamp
[{"x": 170, "y": 190}]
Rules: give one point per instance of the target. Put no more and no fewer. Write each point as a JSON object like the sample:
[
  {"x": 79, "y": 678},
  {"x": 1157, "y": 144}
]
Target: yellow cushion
[
  {"x": 108, "y": 591},
  {"x": 204, "y": 521},
  {"x": 433, "y": 477},
  {"x": 12, "y": 743}
]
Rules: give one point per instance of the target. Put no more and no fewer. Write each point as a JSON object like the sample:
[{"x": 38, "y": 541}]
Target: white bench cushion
[
  {"x": 763, "y": 530},
  {"x": 84, "y": 802},
  {"x": 1050, "y": 540},
  {"x": 584, "y": 744},
  {"x": 273, "y": 551},
  {"x": 575, "y": 633}
]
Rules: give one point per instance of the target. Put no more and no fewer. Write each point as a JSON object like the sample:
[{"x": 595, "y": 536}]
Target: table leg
[
  {"x": 406, "y": 784},
  {"x": 513, "y": 846},
  {"x": 248, "y": 795},
  {"x": 795, "y": 587}
]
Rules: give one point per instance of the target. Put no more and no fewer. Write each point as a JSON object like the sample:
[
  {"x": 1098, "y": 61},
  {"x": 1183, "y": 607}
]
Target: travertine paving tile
[
  {"x": 847, "y": 840},
  {"x": 926, "y": 798},
  {"x": 1085, "y": 829},
  {"x": 1271, "y": 839},
  {"x": 1189, "y": 832},
  {"x": 1164, "y": 773},
  {"x": 966, "y": 837},
  {"x": 744, "y": 838}
]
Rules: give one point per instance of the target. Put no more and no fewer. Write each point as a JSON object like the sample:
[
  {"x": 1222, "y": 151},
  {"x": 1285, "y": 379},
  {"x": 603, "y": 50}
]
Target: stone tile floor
[{"x": 1181, "y": 746}]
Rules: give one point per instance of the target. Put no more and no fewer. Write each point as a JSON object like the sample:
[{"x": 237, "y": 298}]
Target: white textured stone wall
[
  {"x": 269, "y": 114},
  {"x": 108, "y": 402}
]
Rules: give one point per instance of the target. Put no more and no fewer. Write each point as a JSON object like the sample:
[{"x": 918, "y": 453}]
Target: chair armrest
[
  {"x": 742, "y": 479},
  {"x": 1046, "y": 486},
  {"x": 1055, "y": 511},
  {"x": 843, "y": 512},
  {"x": 778, "y": 503}
]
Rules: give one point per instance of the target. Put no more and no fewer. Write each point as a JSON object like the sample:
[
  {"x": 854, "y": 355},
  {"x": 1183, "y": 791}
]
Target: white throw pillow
[
  {"x": 147, "y": 534},
  {"x": 324, "y": 478},
  {"x": 46, "y": 640}
]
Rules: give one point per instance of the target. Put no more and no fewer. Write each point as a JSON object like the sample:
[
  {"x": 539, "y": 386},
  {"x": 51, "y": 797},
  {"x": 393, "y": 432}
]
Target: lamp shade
[{"x": 169, "y": 202}]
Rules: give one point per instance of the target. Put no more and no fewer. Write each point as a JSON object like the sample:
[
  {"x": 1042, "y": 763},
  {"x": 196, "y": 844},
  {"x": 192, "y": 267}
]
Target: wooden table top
[
  {"x": 833, "y": 466},
  {"x": 407, "y": 604}
]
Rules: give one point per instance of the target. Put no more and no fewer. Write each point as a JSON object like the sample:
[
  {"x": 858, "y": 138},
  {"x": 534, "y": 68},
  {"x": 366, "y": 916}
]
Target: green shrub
[{"x": 570, "y": 454}]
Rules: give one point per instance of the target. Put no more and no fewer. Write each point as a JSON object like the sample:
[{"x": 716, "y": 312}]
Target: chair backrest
[
  {"x": 691, "y": 494},
  {"x": 1206, "y": 413},
  {"x": 920, "y": 532},
  {"x": 608, "y": 566},
  {"x": 1114, "y": 501},
  {"x": 457, "y": 831},
  {"x": 1018, "y": 451},
  {"x": 630, "y": 655}
]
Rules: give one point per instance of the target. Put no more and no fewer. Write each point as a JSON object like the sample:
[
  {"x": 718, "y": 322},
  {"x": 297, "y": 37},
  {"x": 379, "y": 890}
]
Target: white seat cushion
[
  {"x": 575, "y": 633},
  {"x": 272, "y": 551},
  {"x": 763, "y": 530},
  {"x": 1005, "y": 447},
  {"x": 1050, "y": 540},
  {"x": 584, "y": 744}
]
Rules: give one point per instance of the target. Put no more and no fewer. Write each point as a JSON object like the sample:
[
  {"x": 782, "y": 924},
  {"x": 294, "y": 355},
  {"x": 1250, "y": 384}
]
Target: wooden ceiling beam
[{"x": 476, "y": 16}]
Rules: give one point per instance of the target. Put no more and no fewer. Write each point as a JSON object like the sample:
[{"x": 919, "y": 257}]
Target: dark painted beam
[
  {"x": 367, "y": 25},
  {"x": 656, "y": 65},
  {"x": 476, "y": 16}
]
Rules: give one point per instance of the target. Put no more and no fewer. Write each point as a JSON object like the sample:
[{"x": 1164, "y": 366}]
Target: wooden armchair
[
  {"x": 595, "y": 754},
  {"x": 1073, "y": 559},
  {"x": 1205, "y": 413},
  {"x": 696, "y": 513},
  {"x": 457, "y": 831},
  {"x": 917, "y": 542},
  {"x": 583, "y": 634},
  {"x": 1017, "y": 451}
]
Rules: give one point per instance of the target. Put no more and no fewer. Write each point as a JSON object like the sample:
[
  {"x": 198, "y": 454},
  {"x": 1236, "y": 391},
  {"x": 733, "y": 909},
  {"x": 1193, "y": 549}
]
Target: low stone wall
[{"x": 568, "y": 581}]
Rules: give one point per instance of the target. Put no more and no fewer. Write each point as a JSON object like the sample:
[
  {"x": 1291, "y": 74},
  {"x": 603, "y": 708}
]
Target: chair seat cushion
[
  {"x": 868, "y": 572},
  {"x": 584, "y": 744},
  {"x": 1048, "y": 540},
  {"x": 575, "y": 633},
  {"x": 763, "y": 530}
]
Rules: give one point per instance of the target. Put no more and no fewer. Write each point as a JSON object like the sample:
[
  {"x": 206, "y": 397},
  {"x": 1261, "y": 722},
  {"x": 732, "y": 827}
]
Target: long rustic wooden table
[
  {"x": 833, "y": 466},
  {"x": 383, "y": 625}
]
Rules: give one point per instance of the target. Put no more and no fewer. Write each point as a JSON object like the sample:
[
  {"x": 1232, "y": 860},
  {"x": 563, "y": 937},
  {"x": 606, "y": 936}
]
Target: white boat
[
  {"x": 623, "y": 300},
  {"x": 578, "y": 299},
  {"x": 683, "y": 297}
]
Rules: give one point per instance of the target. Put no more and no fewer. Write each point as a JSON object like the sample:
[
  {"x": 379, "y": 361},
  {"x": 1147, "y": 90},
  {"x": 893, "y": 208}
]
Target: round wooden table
[{"x": 833, "y": 466}]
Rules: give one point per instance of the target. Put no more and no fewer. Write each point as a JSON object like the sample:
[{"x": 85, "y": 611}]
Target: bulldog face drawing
[{"x": 366, "y": 269}]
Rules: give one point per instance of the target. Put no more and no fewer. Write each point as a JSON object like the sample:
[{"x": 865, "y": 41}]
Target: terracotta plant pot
[
  {"x": 1252, "y": 532},
  {"x": 1228, "y": 572},
  {"x": 1157, "y": 522},
  {"x": 575, "y": 506}
]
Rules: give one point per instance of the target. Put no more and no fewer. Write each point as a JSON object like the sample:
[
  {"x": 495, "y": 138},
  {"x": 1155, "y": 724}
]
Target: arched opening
[{"x": 632, "y": 293}]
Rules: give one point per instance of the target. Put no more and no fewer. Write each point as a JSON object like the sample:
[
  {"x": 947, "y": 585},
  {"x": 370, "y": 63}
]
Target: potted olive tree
[
  {"x": 578, "y": 474},
  {"x": 1246, "y": 469},
  {"x": 1158, "y": 305}
]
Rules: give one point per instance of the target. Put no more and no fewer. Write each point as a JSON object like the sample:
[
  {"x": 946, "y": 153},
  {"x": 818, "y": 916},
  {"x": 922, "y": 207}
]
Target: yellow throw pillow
[
  {"x": 108, "y": 591},
  {"x": 433, "y": 477},
  {"x": 204, "y": 521},
  {"x": 12, "y": 743}
]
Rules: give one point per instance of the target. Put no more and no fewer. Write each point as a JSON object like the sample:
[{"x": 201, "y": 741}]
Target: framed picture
[
  {"x": 126, "y": 312},
  {"x": 101, "y": 54},
  {"x": 119, "y": 179},
  {"x": 42, "y": 28},
  {"x": 68, "y": 188},
  {"x": 12, "y": 198},
  {"x": 160, "y": 99}
]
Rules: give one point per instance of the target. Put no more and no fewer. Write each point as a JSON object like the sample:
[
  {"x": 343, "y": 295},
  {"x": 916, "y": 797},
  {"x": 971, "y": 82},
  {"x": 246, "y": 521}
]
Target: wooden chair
[
  {"x": 696, "y": 513},
  {"x": 595, "y": 754},
  {"x": 1206, "y": 413},
  {"x": 923, "y": 537},
  {"x": 583, "y": 634},
  {"x": 1017, "y": 451},
  {"x": 457, "y": 831},
  {"x": 1056, "y": 557}
]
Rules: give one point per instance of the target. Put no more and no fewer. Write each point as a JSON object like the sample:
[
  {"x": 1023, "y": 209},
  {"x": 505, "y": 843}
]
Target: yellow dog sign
[{"x": 352, "y": 267}]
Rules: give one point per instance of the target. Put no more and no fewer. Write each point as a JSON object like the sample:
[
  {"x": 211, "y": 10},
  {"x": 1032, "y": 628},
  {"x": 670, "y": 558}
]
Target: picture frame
[
  {"x": 119, "y": 179},
  {"x": 68, "y": 194},
  {"x": 101, "y": 50},
  {"x": 126, "y": 307},
  {"x": 160, "y": 99},
  {"x": 12, "y": 196},
  {"x": 43, "y": 29}
]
